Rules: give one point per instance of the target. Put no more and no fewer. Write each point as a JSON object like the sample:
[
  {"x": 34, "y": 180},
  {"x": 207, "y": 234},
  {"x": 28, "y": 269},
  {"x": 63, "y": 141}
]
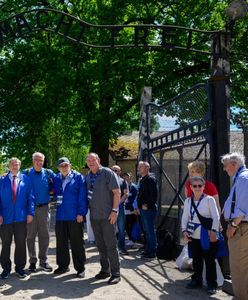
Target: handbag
[{"x": 205, "y": 222}]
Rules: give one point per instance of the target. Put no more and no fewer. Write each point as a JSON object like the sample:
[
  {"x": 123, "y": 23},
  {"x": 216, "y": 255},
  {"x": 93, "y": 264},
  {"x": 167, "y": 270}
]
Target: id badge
[
  {"x": 90, "y": 194},
  {"x": 190, "y": 228},
  {"x": 59, "y": 199}
]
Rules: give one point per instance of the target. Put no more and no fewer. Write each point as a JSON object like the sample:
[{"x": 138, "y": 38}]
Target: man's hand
[
  {"x": 80, "y": 218},
  {"x": 112, "y": 217},
  {"x": 230, "y": 232},
  {"x": 29, "y": 219},
  {"x": 1, "y": 220}
]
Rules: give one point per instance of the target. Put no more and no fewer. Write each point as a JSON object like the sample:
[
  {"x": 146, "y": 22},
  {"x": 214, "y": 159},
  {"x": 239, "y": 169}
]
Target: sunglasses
[
  {"x": 114, "y": 170},
  {"x": 197, "y": 185}
]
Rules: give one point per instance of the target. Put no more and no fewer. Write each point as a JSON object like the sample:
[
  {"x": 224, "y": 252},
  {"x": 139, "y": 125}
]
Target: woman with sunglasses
[{"x": 202, "y": 244}]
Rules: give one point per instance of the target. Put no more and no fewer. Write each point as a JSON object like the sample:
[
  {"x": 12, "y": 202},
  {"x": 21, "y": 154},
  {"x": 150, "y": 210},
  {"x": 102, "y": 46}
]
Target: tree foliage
[{"x": 57, "y": 96}]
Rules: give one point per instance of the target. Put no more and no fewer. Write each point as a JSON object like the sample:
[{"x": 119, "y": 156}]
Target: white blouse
[{"x": 207, "y": 208}]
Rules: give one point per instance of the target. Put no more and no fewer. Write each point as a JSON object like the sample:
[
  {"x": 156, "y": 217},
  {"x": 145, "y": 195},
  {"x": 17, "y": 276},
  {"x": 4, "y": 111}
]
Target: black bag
[
  {"x": 205, "y": 222},
  {"x": 166, "y": 248}
]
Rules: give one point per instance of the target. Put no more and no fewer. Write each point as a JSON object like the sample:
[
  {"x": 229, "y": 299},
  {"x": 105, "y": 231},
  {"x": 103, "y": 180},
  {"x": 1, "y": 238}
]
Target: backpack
[{"x": 166, "y": 245}]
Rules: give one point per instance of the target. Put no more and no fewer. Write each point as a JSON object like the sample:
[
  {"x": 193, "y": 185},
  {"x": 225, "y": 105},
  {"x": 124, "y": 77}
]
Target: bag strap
[
  {"x": 196, "y": 210},
  {"x": 233, "y": 203}
]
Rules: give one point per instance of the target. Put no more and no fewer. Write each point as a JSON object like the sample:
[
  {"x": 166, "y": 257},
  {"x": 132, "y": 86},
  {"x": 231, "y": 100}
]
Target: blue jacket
[
  {"x": 74, "y": 200},
  {"x": 42, "y": 183},
  {"x": 24, "y": 205}
]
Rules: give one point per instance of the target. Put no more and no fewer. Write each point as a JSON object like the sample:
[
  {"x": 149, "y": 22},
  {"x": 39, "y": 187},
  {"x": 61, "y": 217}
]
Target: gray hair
[
  {"x": 93, "y": 154},
  {"x": 39, "y": 154},
  {"x": 196, "y": 178},
  {"x": 14, "y": 159},
  {"x": 144, "y": 163},
  {"x": 234, "y": 157}
]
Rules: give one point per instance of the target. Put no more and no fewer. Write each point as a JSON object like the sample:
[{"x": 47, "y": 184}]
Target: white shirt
[{"x": 207, "y": 208}]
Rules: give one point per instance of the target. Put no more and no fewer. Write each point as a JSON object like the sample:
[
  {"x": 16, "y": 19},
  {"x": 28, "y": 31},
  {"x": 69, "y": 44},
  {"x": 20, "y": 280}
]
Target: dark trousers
[
  {"x": 130, "y": 220},
  {"x": 19, "y": 231},
  {"x": 107, "y": 246},
  {"x": 198, "y": 255},
  {"x": 70, "y": 231}
]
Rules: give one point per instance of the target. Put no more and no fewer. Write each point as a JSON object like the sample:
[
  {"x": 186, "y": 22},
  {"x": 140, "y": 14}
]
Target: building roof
[{"x": 126, "y": 147}]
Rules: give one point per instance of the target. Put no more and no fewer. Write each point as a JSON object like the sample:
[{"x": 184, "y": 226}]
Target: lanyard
[
  {"x": 192, "y": 210},
  {"x": 93, "y": 178}
]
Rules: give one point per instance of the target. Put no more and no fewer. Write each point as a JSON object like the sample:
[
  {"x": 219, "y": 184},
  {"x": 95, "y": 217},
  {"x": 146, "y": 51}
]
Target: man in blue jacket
[
  {"x": 16, "y": 210},
  {"x": 72, "y": 207},
  {"x": 42, "y": 183}
]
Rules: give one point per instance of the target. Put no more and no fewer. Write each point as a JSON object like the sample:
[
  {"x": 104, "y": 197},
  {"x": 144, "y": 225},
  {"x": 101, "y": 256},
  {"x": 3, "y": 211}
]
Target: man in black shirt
[{"x": 146, "y": 200}]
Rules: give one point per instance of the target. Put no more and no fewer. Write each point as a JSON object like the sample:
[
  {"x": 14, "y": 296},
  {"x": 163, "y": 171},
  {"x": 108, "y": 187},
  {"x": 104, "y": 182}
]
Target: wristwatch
[
  {"x": 234, "y": 225},
  {"x": 115, "y": 210}
]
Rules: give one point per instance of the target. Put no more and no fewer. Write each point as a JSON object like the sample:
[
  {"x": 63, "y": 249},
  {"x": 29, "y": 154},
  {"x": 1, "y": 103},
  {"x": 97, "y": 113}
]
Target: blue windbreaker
[
  {"x": 74, "y": 201},
  {"x": 24, "y": 204}
]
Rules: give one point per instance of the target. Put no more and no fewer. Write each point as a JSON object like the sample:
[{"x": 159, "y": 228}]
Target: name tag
[
  {"x": 190, "y": 228},
  {"x": 59, "y": 199}
]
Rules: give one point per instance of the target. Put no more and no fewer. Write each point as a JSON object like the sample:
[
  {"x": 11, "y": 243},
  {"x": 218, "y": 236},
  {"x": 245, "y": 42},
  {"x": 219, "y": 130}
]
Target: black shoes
[
  {"x": 102, "y": 275},
  {"x": 46, "y": 267},
  {"x": 193, "y": 285},
  {"x": 60, "y": 271},
  {"x": 148, "y": 256},
  {"x": 114, "y": 279},
  {"x": 32, "y": 267},
  {"x": 123, "y": 252},
  {"x": 5, "y": 274}
]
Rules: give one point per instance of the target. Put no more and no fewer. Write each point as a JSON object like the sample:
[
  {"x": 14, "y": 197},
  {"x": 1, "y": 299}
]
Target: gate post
[
  {"x": 219, "y": 139},
  {"x": 144, "y": 127}
]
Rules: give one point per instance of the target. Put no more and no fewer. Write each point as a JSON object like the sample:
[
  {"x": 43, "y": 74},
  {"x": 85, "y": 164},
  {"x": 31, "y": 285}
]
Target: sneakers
[
  {"x": 148, "y": 256},
  {"x": 5, "y": 274},
  {"x": 211, "y": 290},
  {"x": 123, "y": 252},
  {"x": 46, "y": 267},
  {"x": 21, "y": 274},
  {"x": 81, "y": 274},
  {"x": 32, "y": 267},
  {"x": 102, "y": 275},
  {"x": 114, "y": 279},
  {"x": 60, "y": 271}
]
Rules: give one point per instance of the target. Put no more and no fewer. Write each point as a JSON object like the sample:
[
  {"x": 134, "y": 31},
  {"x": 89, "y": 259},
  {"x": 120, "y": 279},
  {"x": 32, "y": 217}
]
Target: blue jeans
[
  {"x": 121, "y": 222},
  {"x": 148, "y": 219}
]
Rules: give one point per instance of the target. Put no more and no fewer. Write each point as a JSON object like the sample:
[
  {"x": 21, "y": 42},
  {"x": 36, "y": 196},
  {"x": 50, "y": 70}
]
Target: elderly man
[
  {"x": 121, "y": 219},
  {"x": 236, "y": 214},
  {"x": 42, "y": 183},
  {"x": 146, "y": 200},
  {"x": 16, "y": 210},
  {"x": 104, "y": 197},
  {"x": 72, "y": 207}
]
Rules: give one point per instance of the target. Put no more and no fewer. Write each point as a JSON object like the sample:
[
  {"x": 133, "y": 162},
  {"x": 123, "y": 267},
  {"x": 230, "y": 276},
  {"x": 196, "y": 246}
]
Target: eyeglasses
[
  {"x": 114, "y": 170},
  {"x": 197, "y": 185}
]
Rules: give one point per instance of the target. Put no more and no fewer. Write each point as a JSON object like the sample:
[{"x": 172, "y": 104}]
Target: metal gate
[{"x": 187, "y": 136}]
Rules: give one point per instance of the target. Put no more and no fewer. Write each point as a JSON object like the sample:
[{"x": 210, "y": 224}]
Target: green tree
[{"x": 58, "y": 96}]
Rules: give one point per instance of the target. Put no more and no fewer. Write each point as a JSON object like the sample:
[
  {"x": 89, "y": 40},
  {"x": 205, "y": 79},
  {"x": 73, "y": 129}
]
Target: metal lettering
[
  {"x": 67, "y": 25},
  {"x": 22, "y": 24},
  {"x": 5, "y": 30},
  {"x": 114, "y": 33},
  {"x": 138, "y": 37},
  {"x": 39, "y": 19},
  {"x": 168, "y": 34}
]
